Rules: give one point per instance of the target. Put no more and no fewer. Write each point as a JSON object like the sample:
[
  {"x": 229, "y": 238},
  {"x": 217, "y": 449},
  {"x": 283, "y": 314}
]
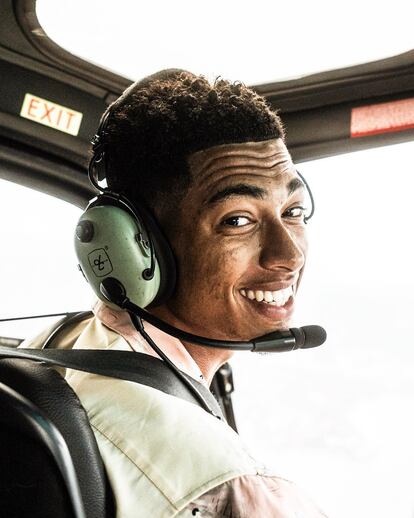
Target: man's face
[{"x": 239, "y": 241}]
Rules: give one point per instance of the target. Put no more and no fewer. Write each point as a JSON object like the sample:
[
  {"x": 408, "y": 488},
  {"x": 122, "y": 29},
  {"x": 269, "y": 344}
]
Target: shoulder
[
  {"x": 68, "y": 334},
  {"x": 254, "y": 496},
  {"x": 154, "y": 443},
  {"x": 156, "y": 428}
]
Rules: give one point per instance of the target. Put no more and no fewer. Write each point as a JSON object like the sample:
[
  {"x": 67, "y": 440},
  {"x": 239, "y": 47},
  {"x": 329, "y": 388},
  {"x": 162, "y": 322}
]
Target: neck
[{"x": 208, "y": 359}]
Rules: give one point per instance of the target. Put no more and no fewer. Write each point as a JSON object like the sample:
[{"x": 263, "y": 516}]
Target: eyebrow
[
  {"x": 240, "y": 189},
  {"x": 251, "y": 191},
  {"x": 294, "y": 185}
]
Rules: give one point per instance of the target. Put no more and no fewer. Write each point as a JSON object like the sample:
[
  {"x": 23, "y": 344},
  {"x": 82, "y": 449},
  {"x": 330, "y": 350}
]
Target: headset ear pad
[
  {"x": 165, "y": 258},
  {"x": 107, "y": 245}
]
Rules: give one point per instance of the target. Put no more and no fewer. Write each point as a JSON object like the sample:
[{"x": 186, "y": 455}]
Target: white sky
[
  {"x": 337, "y": 419},
  {"x": 253, "y": 42}
]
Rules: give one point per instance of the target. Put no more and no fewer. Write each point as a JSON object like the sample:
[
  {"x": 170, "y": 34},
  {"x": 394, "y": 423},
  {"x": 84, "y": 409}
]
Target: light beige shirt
[
  {"x": 167, "y": 457},
  {"x": 120, "y": 322}
]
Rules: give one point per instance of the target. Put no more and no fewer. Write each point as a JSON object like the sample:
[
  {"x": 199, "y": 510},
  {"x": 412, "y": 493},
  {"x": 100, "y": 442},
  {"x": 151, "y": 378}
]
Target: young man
[{"x": 210, "y": 163}]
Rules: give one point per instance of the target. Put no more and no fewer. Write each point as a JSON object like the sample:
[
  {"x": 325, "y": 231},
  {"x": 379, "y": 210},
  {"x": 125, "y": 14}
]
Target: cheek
[{"x": 212, "y": 270}]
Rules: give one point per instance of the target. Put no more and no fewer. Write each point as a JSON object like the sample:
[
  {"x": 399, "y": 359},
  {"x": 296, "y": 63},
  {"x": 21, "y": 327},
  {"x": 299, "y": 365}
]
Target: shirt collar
[{"x": 120, "y": 322}]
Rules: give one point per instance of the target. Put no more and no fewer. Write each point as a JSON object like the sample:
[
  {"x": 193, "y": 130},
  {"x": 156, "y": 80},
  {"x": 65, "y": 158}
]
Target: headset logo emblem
[{"x": 100, "y": 262}]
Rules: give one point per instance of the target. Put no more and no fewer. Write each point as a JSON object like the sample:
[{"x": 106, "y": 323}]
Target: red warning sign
[
  {"x": 51, "y": 114},
  {"x": 382, "y": 118}
]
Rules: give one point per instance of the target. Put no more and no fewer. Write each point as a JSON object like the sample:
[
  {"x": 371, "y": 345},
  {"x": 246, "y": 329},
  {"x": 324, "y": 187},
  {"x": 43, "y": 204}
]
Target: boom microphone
[{"x": 277, "y": 341}]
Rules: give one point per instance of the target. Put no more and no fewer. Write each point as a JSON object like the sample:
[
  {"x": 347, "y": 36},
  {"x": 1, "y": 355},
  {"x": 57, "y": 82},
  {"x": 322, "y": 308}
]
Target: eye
[
  {"x": 295, "y": 212},
  {"x": 236, "y": 221}
]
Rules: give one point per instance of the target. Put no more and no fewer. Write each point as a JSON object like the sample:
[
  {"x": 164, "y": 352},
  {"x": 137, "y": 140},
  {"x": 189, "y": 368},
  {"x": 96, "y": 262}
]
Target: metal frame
[{"x": 315, "y": 109}]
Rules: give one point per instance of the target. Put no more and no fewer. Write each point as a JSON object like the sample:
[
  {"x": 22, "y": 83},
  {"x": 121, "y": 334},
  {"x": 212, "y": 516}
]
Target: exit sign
[{"x": 50, "y": 114}]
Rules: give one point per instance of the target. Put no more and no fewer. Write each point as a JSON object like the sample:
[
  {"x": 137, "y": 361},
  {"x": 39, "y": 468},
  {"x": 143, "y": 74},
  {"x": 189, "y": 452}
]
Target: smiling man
[
  {"x": 210, "y": 163},
  {"x": 239, "y": 239}
]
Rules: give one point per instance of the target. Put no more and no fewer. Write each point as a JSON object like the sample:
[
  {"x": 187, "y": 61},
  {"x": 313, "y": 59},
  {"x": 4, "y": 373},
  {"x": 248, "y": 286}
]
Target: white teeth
[
  {"x": 251, "y": 295},
  {"x": 279, "y": 297},
  {"x": 274, "y": 298},
  {"x": 259, "y": 295}
]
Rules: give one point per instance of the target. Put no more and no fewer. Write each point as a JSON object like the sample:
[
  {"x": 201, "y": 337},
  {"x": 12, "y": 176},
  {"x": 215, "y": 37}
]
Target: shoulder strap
[{"x": 130, "y": 366}]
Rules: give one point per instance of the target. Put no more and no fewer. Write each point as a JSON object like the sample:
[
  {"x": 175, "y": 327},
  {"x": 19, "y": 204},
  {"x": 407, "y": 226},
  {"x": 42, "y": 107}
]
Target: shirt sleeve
[{"x": 253, "y": 496}]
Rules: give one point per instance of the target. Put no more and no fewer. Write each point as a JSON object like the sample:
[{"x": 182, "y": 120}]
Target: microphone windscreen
[{"x": 312, "y": 336}]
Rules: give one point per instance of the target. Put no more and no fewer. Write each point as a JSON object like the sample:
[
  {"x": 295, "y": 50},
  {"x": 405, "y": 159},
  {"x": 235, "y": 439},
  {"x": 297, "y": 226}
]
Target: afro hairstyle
[{"x": 158, "y": 122}]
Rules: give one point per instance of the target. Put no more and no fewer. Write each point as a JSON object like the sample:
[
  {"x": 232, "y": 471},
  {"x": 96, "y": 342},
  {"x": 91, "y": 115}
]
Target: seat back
[{"x": 51, "y": 466}]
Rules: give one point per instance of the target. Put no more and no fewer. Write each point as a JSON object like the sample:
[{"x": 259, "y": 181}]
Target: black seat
[{"x": 49, "y": 458}]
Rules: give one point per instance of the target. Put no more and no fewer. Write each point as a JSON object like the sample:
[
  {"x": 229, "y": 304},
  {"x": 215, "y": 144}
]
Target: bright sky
[
  {"x": 336, "y": 420},
  {"x": 253, "y": 42}
]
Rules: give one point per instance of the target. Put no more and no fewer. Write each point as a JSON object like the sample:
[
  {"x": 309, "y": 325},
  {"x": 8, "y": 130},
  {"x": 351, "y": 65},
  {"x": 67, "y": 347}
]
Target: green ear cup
[{"x": 109, "y": 242}]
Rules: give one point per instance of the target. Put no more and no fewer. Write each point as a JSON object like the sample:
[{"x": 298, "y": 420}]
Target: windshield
[
  {"x": 337, "y": 419},
  {"x": 255, "y": 42}
]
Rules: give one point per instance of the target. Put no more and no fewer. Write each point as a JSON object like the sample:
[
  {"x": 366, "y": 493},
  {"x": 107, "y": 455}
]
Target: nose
[{"x": 283, "y": 246}]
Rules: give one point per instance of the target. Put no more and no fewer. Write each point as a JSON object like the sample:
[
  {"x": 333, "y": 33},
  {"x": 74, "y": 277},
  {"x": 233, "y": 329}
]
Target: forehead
[{"x": 267, "y": 160}]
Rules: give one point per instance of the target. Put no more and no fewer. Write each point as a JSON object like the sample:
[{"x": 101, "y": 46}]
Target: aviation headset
[
  {"x": 115, "y": 238},
  {"x": 119, "y": 240}
]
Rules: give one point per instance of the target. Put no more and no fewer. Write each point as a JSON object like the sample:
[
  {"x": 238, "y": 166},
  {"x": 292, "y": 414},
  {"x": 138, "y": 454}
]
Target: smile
[{"x": 273, "y": 298}]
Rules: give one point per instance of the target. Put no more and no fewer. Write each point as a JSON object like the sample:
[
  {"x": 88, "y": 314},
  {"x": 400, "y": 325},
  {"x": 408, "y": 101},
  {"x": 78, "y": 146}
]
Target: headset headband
[{"x": 97, "y": 163}]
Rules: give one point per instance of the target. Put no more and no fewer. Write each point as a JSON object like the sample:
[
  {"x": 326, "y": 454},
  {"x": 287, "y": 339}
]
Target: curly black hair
[{"x": 158, "y": 122}]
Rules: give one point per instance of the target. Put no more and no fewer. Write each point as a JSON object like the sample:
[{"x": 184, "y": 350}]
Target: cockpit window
[
  {"x": 337, "y": 419},
  {"x": 39, "y": 268},
  {"x": 256, "y": 42}
]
